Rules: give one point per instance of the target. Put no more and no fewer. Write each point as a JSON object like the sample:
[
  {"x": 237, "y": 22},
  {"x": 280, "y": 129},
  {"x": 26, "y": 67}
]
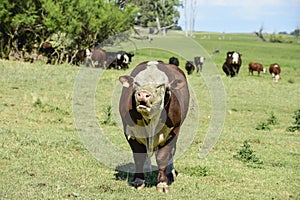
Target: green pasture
[{"x": 42, "y": 155}]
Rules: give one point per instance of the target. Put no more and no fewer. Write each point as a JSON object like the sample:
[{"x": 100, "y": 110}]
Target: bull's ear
[
  {"x": 177, "y": 84},
  {"x": 126, "y": 81}
]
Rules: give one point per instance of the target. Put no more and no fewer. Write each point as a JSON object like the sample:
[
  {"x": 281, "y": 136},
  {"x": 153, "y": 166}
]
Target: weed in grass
[
  {"x": 272, "y": 120},
  {"x": 247, "y": 155},
  {"x": 265, "y": 125},
  {"x": 48, "y": 108},
  {"x": 108, "y": 120},
  {"x": 296, "y": 126},
  {"x": 197, "y": 171},
  {"x": 291, "y": 81}
]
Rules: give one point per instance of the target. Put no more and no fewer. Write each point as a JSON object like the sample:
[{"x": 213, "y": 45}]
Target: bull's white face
[
  {"x": 201, "y": 59},
  {"x": 88, "y": 52},
  {"x": 126, "y": 59},
  {"x": 235, "y": 58},
  {"x": 150, "y": 88}
]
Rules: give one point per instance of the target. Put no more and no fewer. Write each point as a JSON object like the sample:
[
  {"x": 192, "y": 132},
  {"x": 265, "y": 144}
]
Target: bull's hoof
[
  {"x": 138, "y": 183},
  {"x": 163, "y": 187},
  {"x": 172, "y": 176}
]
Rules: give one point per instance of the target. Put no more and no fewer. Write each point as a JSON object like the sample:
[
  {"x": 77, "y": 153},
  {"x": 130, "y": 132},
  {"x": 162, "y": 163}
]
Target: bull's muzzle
[{"x": 143, "y": 99}]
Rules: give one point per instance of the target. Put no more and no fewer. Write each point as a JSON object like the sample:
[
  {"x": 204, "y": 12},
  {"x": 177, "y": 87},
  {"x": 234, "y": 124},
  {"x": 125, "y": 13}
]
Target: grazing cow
[
  {"x": 99, "y": 58},
  {"x": 174, "y": 61},
  {"x": 189, "y": 66},
  {"x": 153, "y": 105},
  {"x": 199, "y": 60},
  {"x": 253, "y": 66},
  {"x": 232, "y": 64},
  {"x": 48, "y": 50},
  {"x": 275, "y": 71},
  {"x": 116, "y": 60},
  {"x": 119, "y": 60},
  {"x": 83, "y": 56}
]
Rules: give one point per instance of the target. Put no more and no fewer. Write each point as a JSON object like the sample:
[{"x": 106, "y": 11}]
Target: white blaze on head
[
  {"x": 152, "y": 82},
  {"x": 201, "y": 59},
  {"x": 126, "y": 59},
  {"x": 264, "y": 70},
  {"x": 151, "y": 75},
  {"x": 235, "y": 58},
  {"x": 119, "y": 56},
  {"x": 88, "y": 52}
]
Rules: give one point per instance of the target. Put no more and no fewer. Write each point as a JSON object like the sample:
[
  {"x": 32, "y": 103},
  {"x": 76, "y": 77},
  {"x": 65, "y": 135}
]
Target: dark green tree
[
  {"x": 68, "y": 24},
  {"x": 161, "y": 14}
]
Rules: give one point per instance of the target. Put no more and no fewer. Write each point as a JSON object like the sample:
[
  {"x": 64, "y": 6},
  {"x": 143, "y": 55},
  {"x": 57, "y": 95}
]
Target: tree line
[{"x": 71, "y": 25}]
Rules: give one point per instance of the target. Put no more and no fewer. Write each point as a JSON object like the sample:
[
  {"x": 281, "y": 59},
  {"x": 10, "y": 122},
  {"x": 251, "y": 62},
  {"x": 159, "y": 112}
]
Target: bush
[
  {"x": 265, "y": 125},
  {"x": 296, "y": 123},
  {"x": 246, "y": 155}
]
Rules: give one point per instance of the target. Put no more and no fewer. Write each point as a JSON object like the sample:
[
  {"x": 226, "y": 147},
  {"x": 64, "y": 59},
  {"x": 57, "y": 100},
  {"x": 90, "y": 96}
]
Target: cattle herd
[
  {"x": 233, "y": 63},
  {"x": 99, "y": 58}
]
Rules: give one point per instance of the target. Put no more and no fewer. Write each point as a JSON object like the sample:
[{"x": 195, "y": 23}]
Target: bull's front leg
[
  {"x": 139, "y": 156},
  {"x": 164, "y": 157}
]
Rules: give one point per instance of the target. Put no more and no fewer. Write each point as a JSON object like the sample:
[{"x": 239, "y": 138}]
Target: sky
[{"x": 245, "y": 16}]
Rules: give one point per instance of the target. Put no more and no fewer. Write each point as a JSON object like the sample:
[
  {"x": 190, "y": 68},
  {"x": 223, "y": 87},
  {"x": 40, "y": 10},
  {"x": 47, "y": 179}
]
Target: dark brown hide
[
  {"x": 253, "y": 66},
  {"x": 99, "y": 58}
]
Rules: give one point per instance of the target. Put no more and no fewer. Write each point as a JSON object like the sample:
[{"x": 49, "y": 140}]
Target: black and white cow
[
  {"x": 118, "y": 60},
  {"x": 232, "y": 63},
  {"x": 111, "y": 60},
  {"x": 153, "y": 105},
  {"x": 199, "y": 60}
]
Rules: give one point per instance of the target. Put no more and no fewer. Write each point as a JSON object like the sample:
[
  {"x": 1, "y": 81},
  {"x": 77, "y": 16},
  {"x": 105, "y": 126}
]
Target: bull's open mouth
[{"x": 142, "y": 105}]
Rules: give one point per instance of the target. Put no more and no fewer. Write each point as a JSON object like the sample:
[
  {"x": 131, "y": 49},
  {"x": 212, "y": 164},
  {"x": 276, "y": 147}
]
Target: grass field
[{"x": 42, "y": 155}]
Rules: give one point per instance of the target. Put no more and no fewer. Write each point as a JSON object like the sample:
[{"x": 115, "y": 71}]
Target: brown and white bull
[
  {"x": 275, "y": 71},
  {"x": 153, "y": 105},
  {"x": 253, "y": 66}
]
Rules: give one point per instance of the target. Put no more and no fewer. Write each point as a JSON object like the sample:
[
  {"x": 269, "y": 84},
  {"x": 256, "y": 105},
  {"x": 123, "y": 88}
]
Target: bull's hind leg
[{"x": 139, "y": 156}]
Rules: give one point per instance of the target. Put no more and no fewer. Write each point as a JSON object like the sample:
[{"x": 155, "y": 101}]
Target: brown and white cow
[
  {"x": 253, "y": 66},
  {"x": 275, "y": 71},
  {"x": 153, "y": 105}
]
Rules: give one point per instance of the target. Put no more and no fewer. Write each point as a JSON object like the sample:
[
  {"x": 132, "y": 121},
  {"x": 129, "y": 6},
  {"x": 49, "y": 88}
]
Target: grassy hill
[{"x": 44, "y": 156}]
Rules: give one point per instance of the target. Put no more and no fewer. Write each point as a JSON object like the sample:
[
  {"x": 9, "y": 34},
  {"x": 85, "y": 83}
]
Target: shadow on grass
[{"x": 125, "y": 173}]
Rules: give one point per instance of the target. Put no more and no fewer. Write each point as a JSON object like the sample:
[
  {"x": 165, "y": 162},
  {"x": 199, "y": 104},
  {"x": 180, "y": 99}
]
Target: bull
[{"x": 153, "y": 105}]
